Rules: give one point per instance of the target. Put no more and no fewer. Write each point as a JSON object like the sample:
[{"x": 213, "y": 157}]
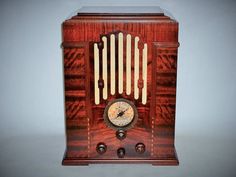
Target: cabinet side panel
[
  {"x": 164, "y": 122},
  {"x": 75, "y": 101}
]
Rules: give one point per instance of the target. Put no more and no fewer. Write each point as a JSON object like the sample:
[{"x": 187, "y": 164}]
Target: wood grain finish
[
  {"x": 75, "y": 101},
  {"x": 85, "y": 127},
  {"x": 164, "y": 124}
]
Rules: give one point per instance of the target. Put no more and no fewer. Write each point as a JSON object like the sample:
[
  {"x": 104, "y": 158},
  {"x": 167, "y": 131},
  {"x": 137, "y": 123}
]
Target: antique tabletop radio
[{"x": 120, "y": 66}]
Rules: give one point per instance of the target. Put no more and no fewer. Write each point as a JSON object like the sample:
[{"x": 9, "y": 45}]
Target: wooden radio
[{"x": 120, "y": 66}]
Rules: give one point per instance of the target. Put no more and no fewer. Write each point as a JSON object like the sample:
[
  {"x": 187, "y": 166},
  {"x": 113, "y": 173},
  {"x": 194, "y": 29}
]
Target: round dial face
[{"x": 120, "y": 113}]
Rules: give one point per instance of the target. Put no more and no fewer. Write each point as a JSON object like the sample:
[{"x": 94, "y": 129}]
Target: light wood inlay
[
  {"x": 104, "y": 66},
  {"x": 120, "y": 56},
  {"x": 128, "y": 64},
  {"x": 112, "y": 65},
  {"x": 96, "y": 73},
  {"x": 136, "y": 67},
  {"x": 144, "y": 89}
]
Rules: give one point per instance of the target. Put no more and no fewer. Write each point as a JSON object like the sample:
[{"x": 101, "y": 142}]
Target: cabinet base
[
  {"x": 155, "y": 162},
  {"x": 87, "y": 161}
]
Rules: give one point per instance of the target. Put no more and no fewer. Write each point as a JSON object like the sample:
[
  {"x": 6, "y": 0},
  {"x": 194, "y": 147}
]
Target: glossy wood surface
[
  {"x": 121, "y": 10},
  {"x": 85, "y": 127}
]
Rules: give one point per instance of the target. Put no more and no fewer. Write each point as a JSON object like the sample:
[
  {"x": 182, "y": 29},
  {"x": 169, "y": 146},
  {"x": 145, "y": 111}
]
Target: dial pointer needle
[{"x": 121, "y": 113}]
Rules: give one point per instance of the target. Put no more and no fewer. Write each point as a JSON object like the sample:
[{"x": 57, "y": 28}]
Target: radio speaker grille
[{"x": 118, "y": 49}]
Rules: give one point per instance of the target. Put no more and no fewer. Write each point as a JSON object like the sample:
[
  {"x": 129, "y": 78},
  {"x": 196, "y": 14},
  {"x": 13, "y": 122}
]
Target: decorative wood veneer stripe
[
  {"x": 75, "y": 98},
  {"x": 166, "y": 57},
  {"x": 74, "y": 61}
]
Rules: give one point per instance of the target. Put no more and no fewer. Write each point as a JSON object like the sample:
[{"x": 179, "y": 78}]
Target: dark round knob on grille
[
  {"x": 120, "y": 134},
  {"x": 100, "y": 83},
  {"x": 121, "y": 152},
  {"x": 140, "y": 148},
  {"x": 101, "y": 148}
]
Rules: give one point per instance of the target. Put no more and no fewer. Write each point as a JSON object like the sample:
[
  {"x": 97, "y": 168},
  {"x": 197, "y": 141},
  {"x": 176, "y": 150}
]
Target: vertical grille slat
[
  {"x": 120, "y": 62},
  {"x": 96, "y": 74},
  {"x": 123, "y": 54},
  {"x": 128, "y": 64},
  {"x": 112, "y": 64},
  {"x": 144, "y": 89},
  {"x": 104, "y": 67},
  {"x": 136, "y": 68}
]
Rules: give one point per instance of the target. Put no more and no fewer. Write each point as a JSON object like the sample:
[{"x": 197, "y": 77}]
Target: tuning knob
[
  {"x": 121, "y": 134},
  {"x": 140, "y": 148},
  {"x": 101, "y": 148},
  {"x": 121, "y": 152}
]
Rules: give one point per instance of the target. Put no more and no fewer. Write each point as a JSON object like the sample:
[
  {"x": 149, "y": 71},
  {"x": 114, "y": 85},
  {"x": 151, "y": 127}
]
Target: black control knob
[
  {"x": 121, "y": 152},
  {"x": 121, "y": 134},
  {"x": 140, "y": 148},
  {"x": 101, "y": 148}
]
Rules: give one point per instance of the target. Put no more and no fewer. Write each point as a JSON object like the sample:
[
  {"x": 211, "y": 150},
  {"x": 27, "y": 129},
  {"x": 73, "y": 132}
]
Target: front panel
[{"x": 120, "y": 68}]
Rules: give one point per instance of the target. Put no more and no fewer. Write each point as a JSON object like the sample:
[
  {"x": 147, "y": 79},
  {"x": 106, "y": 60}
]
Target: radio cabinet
[{"x": 120, "y": 68}]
